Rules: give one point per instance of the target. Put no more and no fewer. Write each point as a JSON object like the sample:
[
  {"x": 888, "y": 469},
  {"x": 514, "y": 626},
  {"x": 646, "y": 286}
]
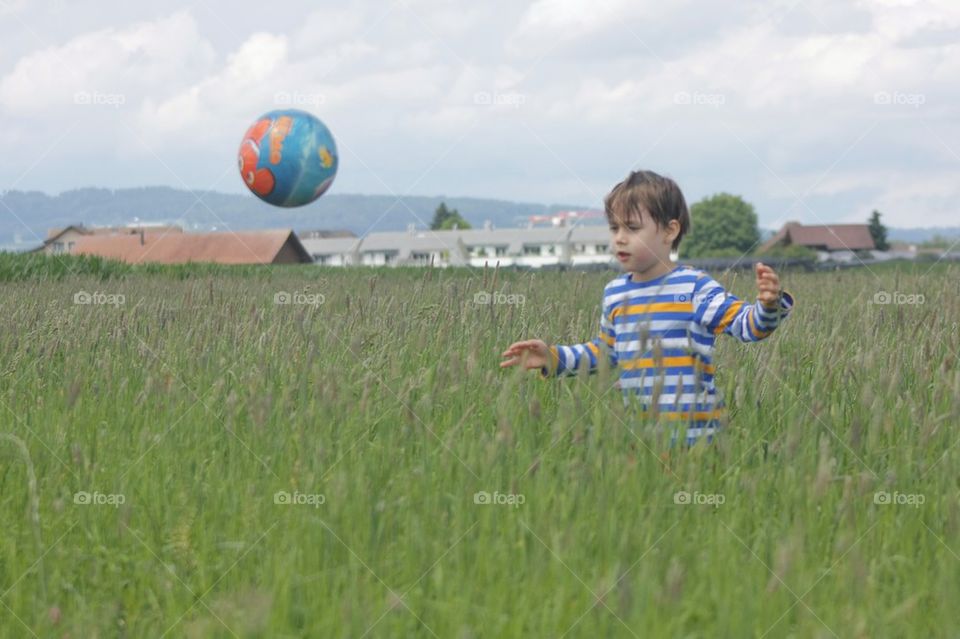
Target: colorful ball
[{"x": 288, "y": 158}]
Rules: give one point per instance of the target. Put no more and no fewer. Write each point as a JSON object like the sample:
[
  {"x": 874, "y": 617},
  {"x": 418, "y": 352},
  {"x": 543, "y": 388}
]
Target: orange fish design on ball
[{"x": 260, "y": 181}]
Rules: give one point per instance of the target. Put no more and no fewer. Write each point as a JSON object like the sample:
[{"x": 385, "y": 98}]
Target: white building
[{"x": 527, "y": 247}]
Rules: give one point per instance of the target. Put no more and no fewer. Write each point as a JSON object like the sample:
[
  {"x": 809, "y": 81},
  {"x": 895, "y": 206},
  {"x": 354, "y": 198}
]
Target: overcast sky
[{"x": 817, "y": 110}]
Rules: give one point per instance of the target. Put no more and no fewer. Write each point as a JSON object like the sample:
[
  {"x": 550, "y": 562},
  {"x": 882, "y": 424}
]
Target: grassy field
[{"x": 183, "y": 456}]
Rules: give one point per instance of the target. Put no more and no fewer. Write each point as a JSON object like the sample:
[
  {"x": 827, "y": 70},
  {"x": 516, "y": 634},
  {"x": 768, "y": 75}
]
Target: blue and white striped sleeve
[
  {"x": 567, "y": 360},
  {"x": 721, "y": 312}
]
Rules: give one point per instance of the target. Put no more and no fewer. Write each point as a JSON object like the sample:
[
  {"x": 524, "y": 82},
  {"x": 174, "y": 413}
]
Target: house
[
  {"x": 226, "y": 247},
  {"x": 325, "y": 233},
  {"x": 336, "y": 251},
  {"x": 898, "y": 250},
  {"x": 63, "y": 240},
  {"x": 527, "y": 247},
  {"x": 837, "y": 242}
]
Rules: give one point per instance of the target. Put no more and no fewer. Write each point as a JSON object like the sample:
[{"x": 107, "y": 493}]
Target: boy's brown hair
[{"x": 659, "y": 195}]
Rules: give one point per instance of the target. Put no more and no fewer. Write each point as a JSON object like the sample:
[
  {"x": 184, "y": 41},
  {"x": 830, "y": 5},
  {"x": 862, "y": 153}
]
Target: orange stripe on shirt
[
  {"x": 699, "y": 416},
  {"x": 728, "y": 316},
  {"x": 653, "y": 307},
  {"x": 666, "y": 362},
  {"x": 672, "y": 416}
]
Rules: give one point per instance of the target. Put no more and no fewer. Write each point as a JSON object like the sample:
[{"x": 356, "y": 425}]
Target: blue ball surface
[{"x": 288, "y": 158}]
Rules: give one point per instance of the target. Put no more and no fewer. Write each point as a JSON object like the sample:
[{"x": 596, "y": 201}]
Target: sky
[{"x": 814, "y": 110}]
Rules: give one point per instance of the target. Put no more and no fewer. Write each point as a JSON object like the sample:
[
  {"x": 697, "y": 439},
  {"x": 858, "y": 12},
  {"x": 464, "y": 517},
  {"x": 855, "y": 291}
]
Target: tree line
[{"x": 722, "y": 225}]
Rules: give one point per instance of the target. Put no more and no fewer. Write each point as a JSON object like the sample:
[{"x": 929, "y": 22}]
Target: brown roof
[
  {"x": 55, "y": 233},
  {"x": 830, "y": 237},
  {"x": 248, "y": 247}
]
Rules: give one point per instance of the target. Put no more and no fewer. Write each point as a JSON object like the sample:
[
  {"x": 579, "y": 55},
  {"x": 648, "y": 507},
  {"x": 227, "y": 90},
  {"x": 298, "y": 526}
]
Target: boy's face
[{"x": 638, "y": 243}]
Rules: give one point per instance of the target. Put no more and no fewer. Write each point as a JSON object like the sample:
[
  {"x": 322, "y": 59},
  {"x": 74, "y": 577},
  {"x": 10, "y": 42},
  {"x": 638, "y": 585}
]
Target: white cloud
[
  {"x": 717, "y": 95},
  {"x": 142, "y": 58},
  {"x": 217, "y": 107},
  {"x": 10, "y": 7},
  {"x": 559, "y": 18},
  {"x": 258, "y": 58}
]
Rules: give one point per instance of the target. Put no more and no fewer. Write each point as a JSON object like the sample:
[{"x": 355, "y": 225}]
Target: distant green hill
[{"x": 207, "y": 210}]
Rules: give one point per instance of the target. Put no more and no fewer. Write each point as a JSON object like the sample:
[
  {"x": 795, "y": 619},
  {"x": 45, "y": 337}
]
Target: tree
[
  {"x": 878, "y": 231},
  {"x": 445, "y": 219},
  {"x": 721, "y": 225},
  {"x": 440, "y": 216}
]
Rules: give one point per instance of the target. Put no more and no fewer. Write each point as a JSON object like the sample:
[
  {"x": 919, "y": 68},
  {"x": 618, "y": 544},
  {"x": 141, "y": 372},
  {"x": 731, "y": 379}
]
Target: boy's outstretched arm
[
  {"x": 531, "y": 353},
  {"x": 721, "y": 312},
  {"x": 564, "y": 360}
]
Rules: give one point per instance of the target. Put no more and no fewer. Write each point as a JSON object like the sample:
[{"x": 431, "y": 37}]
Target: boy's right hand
[{"x": 532, "y": 353}]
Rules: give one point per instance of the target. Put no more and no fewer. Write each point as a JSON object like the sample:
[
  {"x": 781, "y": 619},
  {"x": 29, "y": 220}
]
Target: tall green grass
[{"x": 199, "y": 399}]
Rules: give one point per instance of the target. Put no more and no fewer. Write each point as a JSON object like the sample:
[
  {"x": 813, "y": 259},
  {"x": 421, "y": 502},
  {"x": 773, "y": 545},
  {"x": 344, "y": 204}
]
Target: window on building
[{"x": 531, "y": 249}]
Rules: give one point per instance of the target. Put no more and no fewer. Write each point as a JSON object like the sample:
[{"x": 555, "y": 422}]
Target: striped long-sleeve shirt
[{"x": 660, "y": 334}]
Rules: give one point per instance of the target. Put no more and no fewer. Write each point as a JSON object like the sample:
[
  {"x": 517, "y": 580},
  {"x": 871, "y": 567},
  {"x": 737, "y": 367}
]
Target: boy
[{"x": 659, "y": 320}]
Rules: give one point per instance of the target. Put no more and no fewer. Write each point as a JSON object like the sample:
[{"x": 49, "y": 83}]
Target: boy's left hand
[{"x": 768, "y": 285}]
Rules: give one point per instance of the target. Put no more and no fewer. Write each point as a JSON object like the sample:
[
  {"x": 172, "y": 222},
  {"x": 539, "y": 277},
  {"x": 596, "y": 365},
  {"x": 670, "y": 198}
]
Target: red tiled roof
[
  {"x": 55, "y": 233},
  {"x": 831, "y": 237},
  {"x": 248, "y": 247}
]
